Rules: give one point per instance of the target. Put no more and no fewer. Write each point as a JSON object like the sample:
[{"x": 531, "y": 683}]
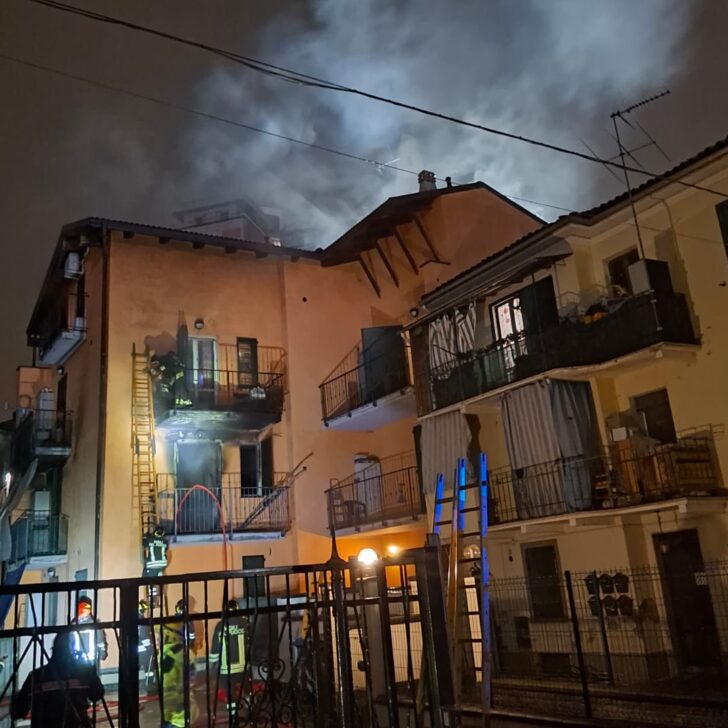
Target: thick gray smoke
[{"x": 552, "y": 69}]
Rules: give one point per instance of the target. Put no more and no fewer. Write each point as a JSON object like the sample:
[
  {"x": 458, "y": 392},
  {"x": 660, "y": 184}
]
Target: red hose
[{"x": 216, "y": 501}]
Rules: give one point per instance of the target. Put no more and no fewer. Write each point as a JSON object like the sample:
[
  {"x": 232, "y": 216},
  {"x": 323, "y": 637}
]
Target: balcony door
[
  {"x": 202, "y": 364},
  {"x": 198, "y": 462},
  {"x": 247, "y": 363}
]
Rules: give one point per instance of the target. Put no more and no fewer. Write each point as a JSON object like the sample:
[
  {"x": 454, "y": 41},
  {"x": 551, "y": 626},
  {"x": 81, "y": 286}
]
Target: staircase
[{"x": 144, "y": 481}]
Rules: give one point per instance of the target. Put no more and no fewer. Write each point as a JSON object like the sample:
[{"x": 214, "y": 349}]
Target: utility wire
[
  {"x": 313, "y": 81},
  {"x": 240, "y": 124}
]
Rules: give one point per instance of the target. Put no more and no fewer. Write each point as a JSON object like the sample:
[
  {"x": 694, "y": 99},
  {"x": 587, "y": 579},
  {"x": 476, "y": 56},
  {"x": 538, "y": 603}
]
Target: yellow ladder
[{"x": 144, "y": 480}]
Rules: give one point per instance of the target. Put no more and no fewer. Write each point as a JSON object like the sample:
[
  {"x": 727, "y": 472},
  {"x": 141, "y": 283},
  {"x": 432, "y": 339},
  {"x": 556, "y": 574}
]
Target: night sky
[{"x": 552, "y": 69}]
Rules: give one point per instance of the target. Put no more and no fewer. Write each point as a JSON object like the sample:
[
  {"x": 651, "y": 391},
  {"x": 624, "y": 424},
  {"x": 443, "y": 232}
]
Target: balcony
[
  {"x": 371, "y": 386},
  {"x": 623, "y": 478},
  {"x": 198, "y": 398},
  {"x": 38, "y": 539},
  {"x": 243, "y": 510},
  {"x": 61, "y": 333},
  {"x": 385, "y": 493},
  {"x": 52, "y": 435},
  {"x": 634, "y": 323}
]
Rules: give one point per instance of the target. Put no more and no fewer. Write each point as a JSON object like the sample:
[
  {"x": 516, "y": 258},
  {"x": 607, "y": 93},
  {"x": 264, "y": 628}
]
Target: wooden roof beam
[
  {"x": 387, "y": 264},
  {"x": 405, "y": 250},
  {"x": 435, "y": 257},
  {"x": 370, "y": 276}
]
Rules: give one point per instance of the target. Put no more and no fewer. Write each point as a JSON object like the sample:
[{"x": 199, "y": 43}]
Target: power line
[
  {"x": 300, "y": 78},
  {"x": 239, "y": 124}
]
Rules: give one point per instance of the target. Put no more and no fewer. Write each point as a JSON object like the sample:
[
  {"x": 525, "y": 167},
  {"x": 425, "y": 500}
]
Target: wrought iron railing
[
  {"x": 52, "y": 428},
  {"x": 361, "y": 379},
  {"x": 617, "y": 480},
  {"x": 387, "y": 490},
  {"x": 231, "y": 507},
  {"x": 638, "y": 322},
  {"x": 37, "y": 534}
]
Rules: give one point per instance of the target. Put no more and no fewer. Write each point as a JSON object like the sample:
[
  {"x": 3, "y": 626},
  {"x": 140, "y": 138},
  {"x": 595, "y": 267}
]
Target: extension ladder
[{"x": 467, "y": 585}]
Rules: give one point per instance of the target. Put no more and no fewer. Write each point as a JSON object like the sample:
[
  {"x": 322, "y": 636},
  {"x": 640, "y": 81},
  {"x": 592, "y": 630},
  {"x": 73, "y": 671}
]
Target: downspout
[{"x": 103, "y": 388}]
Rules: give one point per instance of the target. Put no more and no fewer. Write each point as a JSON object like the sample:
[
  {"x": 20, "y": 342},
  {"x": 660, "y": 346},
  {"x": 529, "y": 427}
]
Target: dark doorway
[
  {"x": 654, "y": 408},
  {"x": 384, "y": 362},
  {"x": 247, "y": 363},
  {"x": 199, "y": 462},
  {"x": 687, "y": 599}
]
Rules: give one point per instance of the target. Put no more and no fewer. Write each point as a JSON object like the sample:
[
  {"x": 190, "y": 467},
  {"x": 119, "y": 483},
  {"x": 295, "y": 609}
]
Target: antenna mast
[{"x": 620, "y": 114}]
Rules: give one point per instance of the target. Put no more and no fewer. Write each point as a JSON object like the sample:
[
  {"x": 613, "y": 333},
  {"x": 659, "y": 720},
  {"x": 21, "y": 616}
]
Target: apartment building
[
  {"x": 220, "y": 387},
  {"x": 587, "y": 361}
]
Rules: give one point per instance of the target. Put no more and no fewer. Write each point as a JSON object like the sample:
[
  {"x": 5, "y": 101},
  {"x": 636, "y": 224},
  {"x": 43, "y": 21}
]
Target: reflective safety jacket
[
  {"x": 155, "y": 552},
  {"x": 228, "y": 645},
  {"x": 88, "y": 645},
  {"x": 57, "y": 695}
]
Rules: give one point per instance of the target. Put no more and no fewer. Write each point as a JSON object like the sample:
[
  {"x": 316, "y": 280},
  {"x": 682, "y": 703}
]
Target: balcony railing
[
  {"x": 37, "y": 534},
  {"x": 226, "y": 389},
  {"x": 621, "y": 479},
  {"x": 361, "y": 379},
  {"x": 184, "y": 511},
  {"x": 635, "y": 323},
  {"x": 388, "y": 490},
  {"x": 52, "y": 428}
]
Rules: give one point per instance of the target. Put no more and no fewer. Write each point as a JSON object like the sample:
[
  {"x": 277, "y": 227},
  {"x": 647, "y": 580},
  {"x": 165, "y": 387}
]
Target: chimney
[{"x": 426, "y": 180}]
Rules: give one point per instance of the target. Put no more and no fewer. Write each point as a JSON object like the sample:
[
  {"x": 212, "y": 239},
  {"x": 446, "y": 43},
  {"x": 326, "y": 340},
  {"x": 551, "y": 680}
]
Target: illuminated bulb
[
  {"x": 367, "y": 557},
  {"x": 392, "y": 550}
]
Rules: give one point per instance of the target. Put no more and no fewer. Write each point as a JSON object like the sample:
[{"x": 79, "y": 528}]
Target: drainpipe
[{"x": 103, "y": 388}]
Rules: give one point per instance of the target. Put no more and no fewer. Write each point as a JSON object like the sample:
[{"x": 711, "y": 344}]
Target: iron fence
[
  {"x": 635, "y": 323},
  {"x": 387, "y": 490},
  {"x": 304, "y": 646},
  {"x": 619, "y": 479},
  {"x": 613, "y": 644},
  {"x": 184, "y": 511}
]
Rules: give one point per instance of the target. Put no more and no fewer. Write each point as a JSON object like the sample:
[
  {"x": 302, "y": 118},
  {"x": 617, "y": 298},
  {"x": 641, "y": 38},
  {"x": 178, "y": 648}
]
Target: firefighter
[
  {"x": 57, "y": 694},
  {"x": 146, "y": 657},
  {"x": 228, "y": 652},
  {"x": 155, "y": 548},
  {"x": 172, "y": 677},
  {"x": 88, "y": 645},
  {"x": 169, "y": 374}
]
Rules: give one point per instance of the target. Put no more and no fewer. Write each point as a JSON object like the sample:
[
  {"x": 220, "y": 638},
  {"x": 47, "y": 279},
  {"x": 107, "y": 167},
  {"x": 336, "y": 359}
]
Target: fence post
[
  {"x": 579, "y": 651},
  {"x": 603, "y": 630},
  {"x": 345, "y": 696},
  {"x": 436, "y": 654},
  {"x": 129, "y": 656},
  {"x": 387, "y": 652}
]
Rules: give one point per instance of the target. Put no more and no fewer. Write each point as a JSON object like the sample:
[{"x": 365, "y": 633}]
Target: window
[
  {"x": 202, "y": 357},
  {"x": 256, "y": 467},
  {"x": 508, "y": 318},
  {"x": 722, "y": 211},
  {"x": 618, "y": 269},
  {"x": 656, "y": 414},
  {"x": 247, "y": 362},
  {"x": 254, "y": 587},
  {"x": 543, "y": 579}
]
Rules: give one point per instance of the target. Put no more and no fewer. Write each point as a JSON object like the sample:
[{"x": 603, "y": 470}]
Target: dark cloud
[{"x": 553, "y": 69}]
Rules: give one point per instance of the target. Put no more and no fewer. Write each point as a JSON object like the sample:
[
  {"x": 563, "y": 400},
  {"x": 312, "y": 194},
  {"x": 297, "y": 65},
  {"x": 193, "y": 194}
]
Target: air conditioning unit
[{"x": 72, "y": 267}]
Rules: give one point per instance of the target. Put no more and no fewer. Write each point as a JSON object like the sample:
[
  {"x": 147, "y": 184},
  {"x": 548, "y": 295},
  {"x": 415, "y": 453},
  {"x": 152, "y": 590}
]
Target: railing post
[
  {"x": 390, "y": 680},
  {"x": 603, "y": 630},
  {"x": 129, "y": 656},
  {"x": 577, "y": 642},
  {"x": 345, "y": 693}
]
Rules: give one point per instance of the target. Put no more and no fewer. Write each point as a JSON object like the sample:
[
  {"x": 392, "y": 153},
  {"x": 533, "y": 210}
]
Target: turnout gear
[
  {"x": 57, "y": 694},
  {"x": 88, "y": 644},
  {"x": 229, "y": 647},
  {"x": 172, "y": 676},
  {"x": 154, "y": 546}
]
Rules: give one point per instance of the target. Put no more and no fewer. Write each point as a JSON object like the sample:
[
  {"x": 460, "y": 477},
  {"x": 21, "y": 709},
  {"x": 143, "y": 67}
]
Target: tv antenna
[{"x": 621, "y": 114}]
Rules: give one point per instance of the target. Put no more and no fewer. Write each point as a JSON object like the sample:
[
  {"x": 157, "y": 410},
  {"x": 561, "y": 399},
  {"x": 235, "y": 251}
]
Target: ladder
[
  {"x": 144, "y": 481},
  {"x": 468, "y": 613}
]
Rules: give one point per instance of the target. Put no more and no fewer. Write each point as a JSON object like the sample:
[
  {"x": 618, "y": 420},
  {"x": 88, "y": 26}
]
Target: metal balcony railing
[
  {"x": 617, "y": 480},
  {"x": 638, "y": 322},
  {"x": 227, "y": 388},
  {"x": 242, "y": 508},
  {"x": 360, "y": 379},
  {"x": 36, "y": 534},
  {"x": 52, "y": 428},
  {"x": 388, "y": 490}
]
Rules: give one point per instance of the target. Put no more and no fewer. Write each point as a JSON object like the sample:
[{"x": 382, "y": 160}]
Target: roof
[
  {"x": 380, "y": 222},
  {"x": 95, "y": 226},
  {"x": 585, "y": 217}
]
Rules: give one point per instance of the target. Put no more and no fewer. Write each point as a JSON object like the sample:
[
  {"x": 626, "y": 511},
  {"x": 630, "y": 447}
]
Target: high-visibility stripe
[{"x": 70, "y": 684}]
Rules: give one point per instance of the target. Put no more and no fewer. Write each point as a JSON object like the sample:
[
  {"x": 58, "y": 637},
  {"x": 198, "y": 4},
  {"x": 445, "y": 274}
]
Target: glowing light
[
  {"x": 392, "y": 550},
  {"x": 367, "y": 557},
  {"x": 471, "y": 551},
  {"x": 7, "y": 480}
]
